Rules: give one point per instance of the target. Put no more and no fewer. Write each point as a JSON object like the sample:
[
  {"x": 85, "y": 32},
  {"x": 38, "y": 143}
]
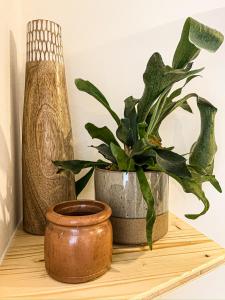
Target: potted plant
[{"x": 142, "y": 153}]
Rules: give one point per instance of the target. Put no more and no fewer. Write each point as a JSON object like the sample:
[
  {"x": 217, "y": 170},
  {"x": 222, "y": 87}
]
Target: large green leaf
[
  {"x": 175, "y": 93},
  {"x": 143, "y": 153},
  {"x": 178, "y": 91},
  {"x": 102, "y": 133},
  {"x": 157, "y": 78},
  {"x": 142, "y": 129},
  {"x": 77, "y": 165},
  {"x": 192, "y": 185},
  {"x": 88, "y": 87},
  {"x": 131, "y": 114},
  {"x": 200, "y": 175},
  {"x": 140, "y": 147},
  {"x": 171, "y": 106},
  {"x": 106, "y": 152},
  {"x": 149, "y": 199},
  {"x": 157, "y": 112},
  {"x": 165, "y": 105},
  {"x": 172, "y": 162},
  {"x": 212, "y": 179},
  {"x": 130, "y": 104},
  {"x": 125, "y": 133},
  {"x": 146, "y": 162},
  {"x": 125, "y": 163},
  {"x": 179, "y": 103},
  {"x": 195, "y": 36},
  {"x": 82, "y": 182},
  {"x": 203, "y": 151}
]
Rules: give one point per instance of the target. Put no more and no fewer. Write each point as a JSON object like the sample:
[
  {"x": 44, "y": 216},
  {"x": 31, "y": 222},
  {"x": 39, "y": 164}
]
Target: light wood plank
[{"x": 136, "y": 272}]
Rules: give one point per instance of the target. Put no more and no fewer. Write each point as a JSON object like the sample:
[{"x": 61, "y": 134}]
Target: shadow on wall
[
  {"x": 6, "y": 183},
  {"x": 10, "y": 160},
  {"x": 16, "y": 122}
]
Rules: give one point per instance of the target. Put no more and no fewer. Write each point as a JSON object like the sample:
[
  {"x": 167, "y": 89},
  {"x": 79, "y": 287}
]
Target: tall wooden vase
[{"x": 47, "y": 133}]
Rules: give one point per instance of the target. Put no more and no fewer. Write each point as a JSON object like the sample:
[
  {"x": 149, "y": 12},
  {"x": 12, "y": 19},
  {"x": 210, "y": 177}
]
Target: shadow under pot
[
  {"x": 78, "y": 241},
  {"x": 121, "y": 191}
]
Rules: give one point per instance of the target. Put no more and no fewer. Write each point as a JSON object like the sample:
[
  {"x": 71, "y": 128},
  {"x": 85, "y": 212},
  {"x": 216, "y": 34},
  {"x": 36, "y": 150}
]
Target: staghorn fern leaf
[
  {"x": 203, "y": 151},
  {"x": 195, "y": 36},
  {"x": 89, "y": 88}
]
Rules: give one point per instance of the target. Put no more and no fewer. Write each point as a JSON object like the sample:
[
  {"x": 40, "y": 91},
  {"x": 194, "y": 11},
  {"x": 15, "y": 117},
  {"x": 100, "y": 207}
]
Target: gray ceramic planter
[{"x": 121, "y": 191}]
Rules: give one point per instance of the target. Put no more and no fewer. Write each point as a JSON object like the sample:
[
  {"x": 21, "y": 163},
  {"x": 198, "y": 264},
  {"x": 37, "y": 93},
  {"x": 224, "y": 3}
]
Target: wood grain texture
[
  {"x": 47, "y": 136},
  {"x": 136, "y": 272}
]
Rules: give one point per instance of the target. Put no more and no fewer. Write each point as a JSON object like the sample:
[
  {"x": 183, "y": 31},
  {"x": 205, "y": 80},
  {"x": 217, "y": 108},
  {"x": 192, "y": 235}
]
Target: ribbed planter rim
[
  {"x": 43, "y": 20},
  {"x": 54, "y": 216}
]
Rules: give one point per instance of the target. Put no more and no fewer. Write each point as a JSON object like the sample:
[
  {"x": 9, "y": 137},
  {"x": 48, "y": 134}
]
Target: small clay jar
[{"x": 78, "y": 241}]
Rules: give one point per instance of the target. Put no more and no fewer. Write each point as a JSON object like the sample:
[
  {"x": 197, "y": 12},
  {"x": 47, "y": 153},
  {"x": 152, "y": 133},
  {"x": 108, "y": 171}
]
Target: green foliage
[
  {"x": 88, "y": 87},
  {"x": 203, "y": 151},
  {"x": 105, "y": 150},
  {"x": 193, "y": 185},
  {"x": 127, "y": 131},
  {"x": 195, "y": 36},
  {"x": 157, "y": 78},
  {"x": 138, "y": 130},
  {"x": 172, "y": 162},
  {"x": 124, "y": 162},
  {"x": 77, "y": 165},
  {"x": 147, "y": 195},
  {"x": 103, "y": 134},
  {"x": 82, "y": 182}
]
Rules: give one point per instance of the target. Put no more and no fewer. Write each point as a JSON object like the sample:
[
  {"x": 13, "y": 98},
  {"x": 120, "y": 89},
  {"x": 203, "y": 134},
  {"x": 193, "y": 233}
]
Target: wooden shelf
[{"x": 136, "y": 272}]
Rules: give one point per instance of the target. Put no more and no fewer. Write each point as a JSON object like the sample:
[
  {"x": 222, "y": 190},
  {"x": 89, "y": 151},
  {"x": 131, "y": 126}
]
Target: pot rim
[
  {"x": 79, "y": 221},
  {"x": 113, "y": 171}
]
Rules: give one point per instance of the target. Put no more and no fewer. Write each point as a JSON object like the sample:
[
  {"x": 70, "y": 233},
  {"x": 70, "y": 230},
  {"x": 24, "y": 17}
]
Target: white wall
[
  {"x": 10, "y": 115},
  {"x": 109, "y": 43}
]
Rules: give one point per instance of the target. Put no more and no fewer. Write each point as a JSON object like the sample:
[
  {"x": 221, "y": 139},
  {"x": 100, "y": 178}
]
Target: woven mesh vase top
[{"x": 44, "y": 41}]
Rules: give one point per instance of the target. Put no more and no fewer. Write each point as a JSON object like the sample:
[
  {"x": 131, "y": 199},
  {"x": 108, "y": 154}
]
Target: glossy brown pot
[{"x": 78, "y": 241}]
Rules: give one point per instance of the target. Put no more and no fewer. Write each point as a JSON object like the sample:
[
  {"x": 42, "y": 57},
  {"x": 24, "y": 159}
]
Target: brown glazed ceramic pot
[{"x": 78, "y": 241}]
